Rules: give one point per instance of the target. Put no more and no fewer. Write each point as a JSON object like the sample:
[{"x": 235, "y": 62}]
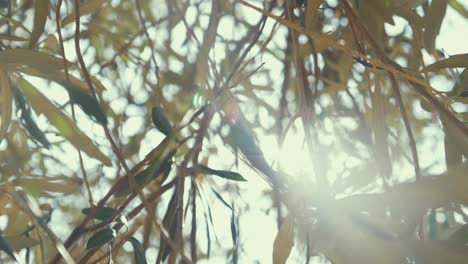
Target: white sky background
[{"x": 258, "y": 228}]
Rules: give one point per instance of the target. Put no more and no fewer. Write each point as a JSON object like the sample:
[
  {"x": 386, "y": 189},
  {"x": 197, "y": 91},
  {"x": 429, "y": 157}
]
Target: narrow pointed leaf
[
  {"x": 230, "y": 175},
  {"x": 138, "y": 251},
  {"x": 5, "y": 104},
  {"x": 101, "y": 237},
  {"x": 459, "y": 60},
  {"x": 28, "y": 57},
  {"x": 4, "y": 246},
  {"x": 102, "y": 213},
  {"x": 28, "y": 121},
  {"x": 62, "y": 122},
  {"x": 41, "y": 10},
  {"x": 88, "y": 103},
  {"x": 18, "y": 243}
]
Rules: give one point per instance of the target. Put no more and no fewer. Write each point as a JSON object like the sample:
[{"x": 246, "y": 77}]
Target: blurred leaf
[
  {"x": 41, "y": 11},
  {"x": 103, "y": 213},
  {"x": 11, "y": 38},
  {"x": 138, "y": 250},
  {"x": 284, "y": 242},
  {"x": 87, "y": 102},
  {"x": 160, "y": 121},
  {"x": 5, "y": 104},
  {"x": 63, "y": 123},
  {"x": 159, "y": 168},
  {"x": 18, "y": 243},
  {"x": 433, "y": 21},
  {"x": 44, "y": 186},
  {"x": 230, "y": 175},
  {"x": 459, "y": 60},
  {"x": 38, "y": 60},
  {"x": 27, "y": 119},
  {"x": 4, "y": 246},
  {"x": 85, "y": 9},
  {"x": 101, "y": 237},
  {"x": 170, "y": 224},
  {"x": 235, "y": 238}
]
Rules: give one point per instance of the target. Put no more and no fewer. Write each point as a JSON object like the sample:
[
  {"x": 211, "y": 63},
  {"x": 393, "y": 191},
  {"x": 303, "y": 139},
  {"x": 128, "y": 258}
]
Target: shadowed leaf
[
  {"x": 230, "y": 175},
  {"x": 101, "y": 237},
  {"x": 102, "y": 213},
  {"x": 138, "y": 251}
]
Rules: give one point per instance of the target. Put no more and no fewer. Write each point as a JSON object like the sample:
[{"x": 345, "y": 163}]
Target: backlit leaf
[
  {"x": 20, "y": 242},
  {"x": 41, "y": 10},
  {"x": 459, "y": 60},
  {"x": 63, "y": 123},
  {"x": 5, "y": 104},
  {"x": 86, "y": 8},
  {"x": 284, "y": 242},
  {"x": 38, "y": 60},
  {"x": 433, "y": 20},
  {"x": 4, "y": 246}
]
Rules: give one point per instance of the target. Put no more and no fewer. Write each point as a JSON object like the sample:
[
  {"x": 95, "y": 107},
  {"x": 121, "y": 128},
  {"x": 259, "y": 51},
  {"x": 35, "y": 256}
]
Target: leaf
[
  {"x": 284, "y": 242},
  {"x": 230, "y": 175},
  {"x": 459, "y": 60},
  {"x": 44, "y": 186},
  {"x": 221, "y": 199},
  {"x": 38, "y": 60},
  {"x": 41, "y": 10},
  {"x": 103, "y": 213},
  {"x": 11, "y": 38},
  {"x": 159, "y": 169},
  {"x": 85, "y": 9},
  {"x": 138, "y": 250},
  {"x": 88, "y": 103},
  {"x": 18, "y": 243},
  {"x": 234, "y": 237},
  {"x": 27, "y": 119},
  {"x": 101, "y": 237},
  {"x": 63, "y": 123},
  {"x": 433, "y": 20},
  {"x": 4, "y": 246},
  {"x": 160, "y": 121},
  {"x": 5, "y": 104},
  {"x": 169, "y": 224}
]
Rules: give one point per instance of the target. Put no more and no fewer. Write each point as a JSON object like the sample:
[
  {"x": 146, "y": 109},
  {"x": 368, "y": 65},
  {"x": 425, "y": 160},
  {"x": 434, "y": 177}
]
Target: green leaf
[
  {"x": 221, "y": 199},
  {"x": 27, "y": 119},
  {"x": 5, "y": 246},
  {"x": 88, "y": 103},
  {"x": 62, "y": 122},
  {"x": 101, "y": 237},
  {"x": 138, "y": 250},
  {"x": 41, "y": 10},
  {"x": 230, "y": 175},
  {"x": 102, "y": 213},
  {"x": 160, "y": 121}
]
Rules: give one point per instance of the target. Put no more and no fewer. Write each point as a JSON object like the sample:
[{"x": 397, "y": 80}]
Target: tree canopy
[{"x": 187, "y": 127}]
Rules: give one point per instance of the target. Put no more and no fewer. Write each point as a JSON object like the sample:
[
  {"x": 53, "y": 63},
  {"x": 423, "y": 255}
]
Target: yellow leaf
[
  {"x": 41, "y": 10},
  {"x": 284, "y": 242},
  {"x": 459, "y": 60},
  {"x": 5, "y": 104},
  {"x": 85, "y": 9},
  {"x": 62, "y": 122},
  {"x": 38, "y": 60}
]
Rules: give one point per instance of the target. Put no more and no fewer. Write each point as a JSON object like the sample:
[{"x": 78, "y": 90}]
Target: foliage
[{"x": 107, "y": 106}]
